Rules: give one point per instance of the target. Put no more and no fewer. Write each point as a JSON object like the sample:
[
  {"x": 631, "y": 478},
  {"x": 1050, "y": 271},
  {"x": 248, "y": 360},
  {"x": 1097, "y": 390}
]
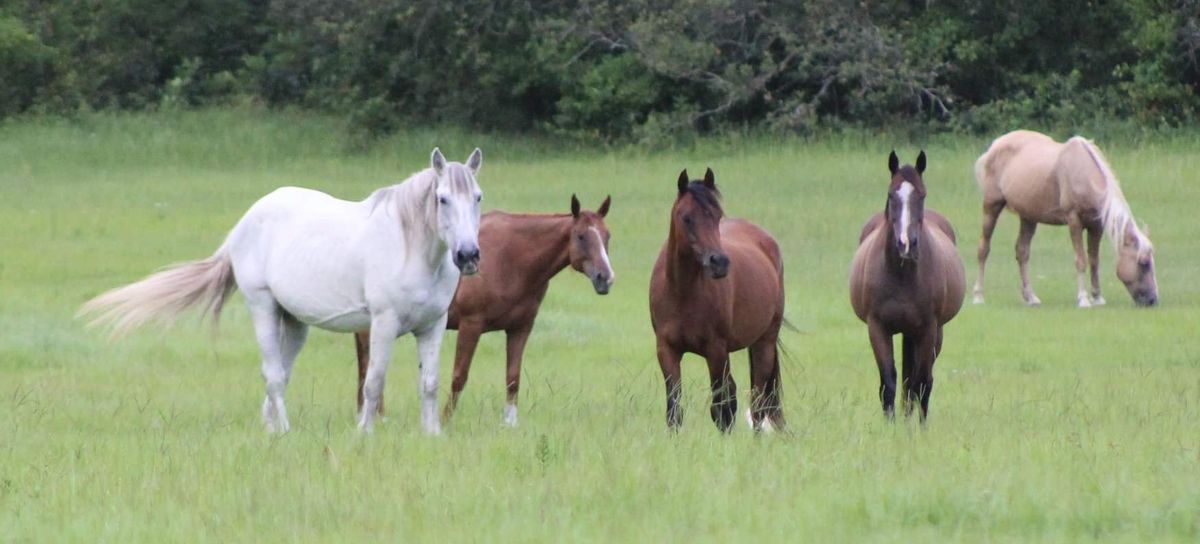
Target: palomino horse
[
  {"x": 301, "y": 257},
  {"x": 716, "y": 288},
  {"x": 1044, "y": 181},
  {"x": 906, "y": 279},
  {"x": 524, "y": 252}
]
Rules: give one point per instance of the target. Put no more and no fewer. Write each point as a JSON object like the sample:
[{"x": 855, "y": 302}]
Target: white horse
[{"x": 390, "y": 263}]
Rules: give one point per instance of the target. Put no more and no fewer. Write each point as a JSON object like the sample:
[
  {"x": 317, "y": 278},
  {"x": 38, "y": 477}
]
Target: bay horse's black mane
[{"x": 708, "y": 199}]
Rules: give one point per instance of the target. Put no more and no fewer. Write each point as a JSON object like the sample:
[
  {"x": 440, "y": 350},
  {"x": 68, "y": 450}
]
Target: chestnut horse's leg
[
  {"x": 1093, "y": 242},
  {"x": 881, "y": 345},
  {"x": 668, "y": 361},
  {"x": 1076, "y": 229},
  {"x": 515, "y": 351},
  {"x": 991, "y": 212},
  {"x": 362, "y": 346},
  {"x": 724, "y": 390},
  {"x": 1023, "y": 241},
  {"x": 464, "y": 352}
]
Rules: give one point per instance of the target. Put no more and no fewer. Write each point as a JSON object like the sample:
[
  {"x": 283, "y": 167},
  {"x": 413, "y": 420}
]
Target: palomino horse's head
[
  {"x": 696, "y": 222},
  {"x": 1135, "y": 266},
  {"x": 906, "y": 205},
  {"x": 458, "y": 197},
  {"x": 588, "y": 248}
]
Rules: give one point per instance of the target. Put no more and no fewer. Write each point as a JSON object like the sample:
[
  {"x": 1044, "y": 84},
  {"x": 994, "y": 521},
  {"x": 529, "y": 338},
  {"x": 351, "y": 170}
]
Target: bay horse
[
  {"x": 716, "y": 288},
  {"x": 907, "y": 279},
  {"x": 524, "y": 252},
  {"x": 1071, "y": 184},
  {"x": 303, "y": 258}
]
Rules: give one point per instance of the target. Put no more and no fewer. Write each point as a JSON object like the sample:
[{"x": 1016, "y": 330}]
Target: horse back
[{"x": 1018, "y": 169}]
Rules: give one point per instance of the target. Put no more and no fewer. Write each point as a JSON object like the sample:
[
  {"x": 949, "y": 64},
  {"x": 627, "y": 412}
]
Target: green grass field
[{"x": 1048, "y": 424}]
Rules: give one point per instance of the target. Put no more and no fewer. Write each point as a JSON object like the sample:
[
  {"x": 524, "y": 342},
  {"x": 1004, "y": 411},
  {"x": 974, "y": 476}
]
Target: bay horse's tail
[
  {"x": 165, "y": 295},
  {"x": 772, "y": 401}
]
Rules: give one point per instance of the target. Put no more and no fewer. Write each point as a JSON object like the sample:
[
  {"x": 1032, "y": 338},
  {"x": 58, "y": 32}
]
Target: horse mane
[
  {"x": 708, "y": 199},
  {"x": 1115, "y": 214},
  {"x": 411, "y": 201}
]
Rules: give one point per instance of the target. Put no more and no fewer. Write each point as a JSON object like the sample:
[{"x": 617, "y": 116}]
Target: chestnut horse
[
  {"x": 716, "y": 288},
  {"x": 522, "y": 252},
  {"x": 1044, "y": 181},
  {"x": 906, "y": 278}
]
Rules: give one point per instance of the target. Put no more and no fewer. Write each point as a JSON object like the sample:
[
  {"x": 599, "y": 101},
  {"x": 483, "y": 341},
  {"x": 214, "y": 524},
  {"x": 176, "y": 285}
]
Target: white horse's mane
[
  {"x": 1115, "y": 214},
  {"x": 412, "y": 202}
]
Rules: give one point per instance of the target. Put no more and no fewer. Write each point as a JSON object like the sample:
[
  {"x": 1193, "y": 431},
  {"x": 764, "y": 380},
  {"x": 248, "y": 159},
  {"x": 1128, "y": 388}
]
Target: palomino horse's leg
[
  {"x": 991, "y": 212},
  {"x": 764, "y": 385},
  {"x": 881, "y": 345},
  {"x": 515, "y": 351},
  {"x": 1093, "y": 241},
  {"x": 668, "y": 361},
  {"x": 1076, "y": 229},
  {"x": 724, "y": 390},
  {"x": 384, "y": 328},
  {"x": 464, "y": 352},
  {"x": 280, "y": 338},
  {"x": 429, "y": 344},
  {"x": 1024, "y": 239},
  {"x": 362, "y": 348}
]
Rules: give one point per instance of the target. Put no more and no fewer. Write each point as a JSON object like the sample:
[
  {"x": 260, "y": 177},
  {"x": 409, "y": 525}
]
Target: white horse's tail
[{"x": 165, "y": 295}]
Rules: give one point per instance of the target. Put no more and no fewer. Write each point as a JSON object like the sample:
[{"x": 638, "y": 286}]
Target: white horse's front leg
[
  {"x": 429, "y": 345},
  {"x": 384, "y": 328}
]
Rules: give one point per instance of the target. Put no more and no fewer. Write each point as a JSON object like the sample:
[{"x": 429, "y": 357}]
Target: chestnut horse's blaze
[{"x": 716, "y": 288}]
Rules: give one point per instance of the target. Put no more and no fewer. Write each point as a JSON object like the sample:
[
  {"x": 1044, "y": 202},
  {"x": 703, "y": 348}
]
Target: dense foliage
[{"x": 616, "y": 69}]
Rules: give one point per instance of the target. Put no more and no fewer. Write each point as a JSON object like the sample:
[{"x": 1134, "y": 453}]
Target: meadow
[{"x": 1047, "y": 424}]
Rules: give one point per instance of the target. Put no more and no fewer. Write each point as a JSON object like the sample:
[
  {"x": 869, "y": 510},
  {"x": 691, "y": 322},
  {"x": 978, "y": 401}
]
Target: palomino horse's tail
[{"x": 165, "y": 295}]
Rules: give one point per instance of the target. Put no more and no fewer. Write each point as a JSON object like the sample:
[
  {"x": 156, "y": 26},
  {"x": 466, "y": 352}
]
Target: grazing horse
[
  {"x": 302, "y": 257},
  {"x": 1070, "y": 183},
  {"x": 524, "y": 252},
  {"x": 906, "y": 279},
  {"x": 716, "y": 288}
]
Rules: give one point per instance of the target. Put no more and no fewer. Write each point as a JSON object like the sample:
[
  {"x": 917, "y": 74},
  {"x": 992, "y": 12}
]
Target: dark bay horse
[
  {"x": 906, "y": 278},
  {"x": 716, "y": 288},
  {"x": 521, "y": 253}
]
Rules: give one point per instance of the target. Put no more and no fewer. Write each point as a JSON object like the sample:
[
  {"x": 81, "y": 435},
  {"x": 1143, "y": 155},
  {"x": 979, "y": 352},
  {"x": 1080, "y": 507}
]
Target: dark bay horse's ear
[
  {"x": 893, "y": 162},
  {"x": 437, "y": 161},
  {"x": 683, "y": 181},
  {"x": 574, "y": 206},
  {"x": 603, "y": 209},
  {"x": 921, "y": 162},
  {"x": 709, "y": 180},
  {"x": 475, "y": 160}
]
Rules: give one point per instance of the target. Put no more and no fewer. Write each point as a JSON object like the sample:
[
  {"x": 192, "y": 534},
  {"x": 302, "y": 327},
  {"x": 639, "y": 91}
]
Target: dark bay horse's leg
[
  {"x": 362, "y": 346},
  {"x": 668, "y": 361},
  {"x": 1094, "y": 234},
  {"x": 991, "y": 212},
  {"x": 909, "y": 365},
  {"x": 923, "y": 349},
  {"x": 724, "y": 390},
  {"x": 881, "y": 345},
  {"x": 1076, "y": 228},
  {"x": 464, "y": 352},
  {"x": 1024, "y": 239},
  {"x": 516, "y": 350}
]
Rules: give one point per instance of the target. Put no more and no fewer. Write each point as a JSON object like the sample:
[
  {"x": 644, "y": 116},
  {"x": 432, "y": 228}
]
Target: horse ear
[
  {"x": 475, "y": 161},
  {"x": 683, "y": 181},
  {"x": 710, "y": 181},
  {"x": 893, "y": 162},
  {"x": 574, "y": 206},
  {"x": 437, "y": 161},
  {"x": 921, "y": 162},
  {"x": 603, "y": 209}
]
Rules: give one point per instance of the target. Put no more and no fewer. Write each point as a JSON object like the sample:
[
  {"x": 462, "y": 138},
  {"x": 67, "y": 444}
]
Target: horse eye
[
  {"x": 580, "y": 237},
  {"x": 478, "y": 198},
  {"x": 687, "y": 219},
  {"x": 443, "y": 200}
]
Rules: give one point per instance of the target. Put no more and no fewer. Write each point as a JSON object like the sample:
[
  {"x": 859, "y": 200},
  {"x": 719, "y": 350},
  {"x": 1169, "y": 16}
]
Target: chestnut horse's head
[
  {"x": 696, "y": 223},
  {"x": 905, "y": 210},
  {"x": 589, "y": 245}
]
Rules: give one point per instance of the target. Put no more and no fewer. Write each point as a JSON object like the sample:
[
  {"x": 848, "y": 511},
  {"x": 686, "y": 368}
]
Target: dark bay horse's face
[
  {"x": 696, "y": 223},
  {"x": 1135, "y": 267},
  {"x": 905, "y": 210},
  {"x": 588, "y": 248}
]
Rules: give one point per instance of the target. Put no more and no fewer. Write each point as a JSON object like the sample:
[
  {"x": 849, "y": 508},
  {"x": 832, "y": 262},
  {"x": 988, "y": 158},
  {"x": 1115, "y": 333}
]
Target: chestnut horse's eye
[{"x": 580, "y": 237}]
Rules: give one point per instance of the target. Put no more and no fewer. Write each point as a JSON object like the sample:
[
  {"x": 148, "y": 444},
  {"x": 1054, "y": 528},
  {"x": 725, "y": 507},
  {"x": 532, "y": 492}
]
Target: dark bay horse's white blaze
[
  {"x": 302, "y": 257},
  {"x": 1071, "y": 184}
]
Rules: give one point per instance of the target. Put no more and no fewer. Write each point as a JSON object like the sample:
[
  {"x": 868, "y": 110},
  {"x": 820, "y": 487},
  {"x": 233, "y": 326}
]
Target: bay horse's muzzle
[
  {"x": 717, "y": 265},
  {"x": 467, "y": 260}
]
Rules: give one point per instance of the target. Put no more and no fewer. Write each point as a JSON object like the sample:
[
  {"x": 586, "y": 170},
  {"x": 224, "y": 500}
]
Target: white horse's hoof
[{"x": 1084, "y": 302}]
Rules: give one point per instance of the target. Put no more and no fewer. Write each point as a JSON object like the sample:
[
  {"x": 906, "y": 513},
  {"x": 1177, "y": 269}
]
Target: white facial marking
[
  {"x": 904, "y": 192},
  {"x": 607, "y": 267}
]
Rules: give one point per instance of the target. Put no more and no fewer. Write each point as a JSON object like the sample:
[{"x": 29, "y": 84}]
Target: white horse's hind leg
[
  {"x": 429, "y": 344},
  {"x": 279, "y": 340},
  {"x": 384, "y": 329}
]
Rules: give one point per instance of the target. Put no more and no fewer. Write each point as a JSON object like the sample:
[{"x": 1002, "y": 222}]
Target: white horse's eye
[
  {"x": 443, "y": 200},
  {"x": 478, "y": 198}
]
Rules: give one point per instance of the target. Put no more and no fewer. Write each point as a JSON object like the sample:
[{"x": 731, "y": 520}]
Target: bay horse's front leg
[
  {"x": 429, "y": 345},
  {"x": 384, "y": 328},
  {"x": 515, "y": 352},
  {"x": 668, "y": 361},
  {"x": 1024, "y": 239},
  {"x": 1093, "y": 243},
  {"x": 464, "y": 353},
  {"x": 1076, "y": 228},
  {"x": 362, "y": 348},
  {"x": 724, "y": 390},
  {"x": 881, "y": 345}
]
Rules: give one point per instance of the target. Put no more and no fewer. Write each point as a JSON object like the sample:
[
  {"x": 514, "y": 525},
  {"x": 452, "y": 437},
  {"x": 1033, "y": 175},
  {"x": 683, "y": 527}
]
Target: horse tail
[
  {"x": 774, "y": 388},
  {"x": 982, "y": 169},
  {"x": 165, "y": 295}
]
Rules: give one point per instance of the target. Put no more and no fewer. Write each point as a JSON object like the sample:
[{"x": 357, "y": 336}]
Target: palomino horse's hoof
[
  {"x": 1098, "y": 301},
  {"x": 1033, "y": 301},
  {"x": 978, "y": 299}
]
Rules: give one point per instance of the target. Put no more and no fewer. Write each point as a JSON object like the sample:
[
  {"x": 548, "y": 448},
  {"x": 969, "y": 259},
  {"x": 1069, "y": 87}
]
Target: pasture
[{"x": 1047, "y": 424}]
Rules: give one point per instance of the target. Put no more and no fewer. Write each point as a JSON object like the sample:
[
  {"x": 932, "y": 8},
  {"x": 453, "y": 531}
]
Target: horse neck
[{"x": 548, "y": 239}]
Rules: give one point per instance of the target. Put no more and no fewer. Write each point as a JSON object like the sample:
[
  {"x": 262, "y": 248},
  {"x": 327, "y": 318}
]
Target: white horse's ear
[
  {"x": 475, "y": 161},
  {"x": 921, "y": 162},
  {"x": 603, "y": 209},
  {"x": 893, "y": 162},
  {"x": 437, "y": 161}
]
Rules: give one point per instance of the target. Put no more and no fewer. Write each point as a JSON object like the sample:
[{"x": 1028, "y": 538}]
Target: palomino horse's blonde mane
[{"x": 1115, "y": 215}]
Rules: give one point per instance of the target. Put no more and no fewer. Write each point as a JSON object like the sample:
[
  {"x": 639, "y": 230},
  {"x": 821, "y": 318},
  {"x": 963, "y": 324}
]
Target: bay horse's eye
[
  {"x": 580, "y": 237},
  {"x": 687, "y": 220}
]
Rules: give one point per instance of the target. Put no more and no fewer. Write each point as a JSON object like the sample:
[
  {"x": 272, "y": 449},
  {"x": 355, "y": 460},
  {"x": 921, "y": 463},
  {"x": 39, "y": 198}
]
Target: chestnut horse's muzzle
[
  {"x": 601, "y": 283},
  {"x": 467, "y": 260}
]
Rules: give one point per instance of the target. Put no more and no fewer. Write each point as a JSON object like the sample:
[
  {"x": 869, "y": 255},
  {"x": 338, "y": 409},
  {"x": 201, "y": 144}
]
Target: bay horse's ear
[
  {"x": 709, "y": 180},
  {"x": 475, "y": 161},
  {"x": 683, "y": 181},
  {"x": 437, "y": 161},
  {"x": 574, "y": 206},
  {"x": 603, "y": 209},
  {"x": 893, "y": 162},
  {"x": 921, "y": 162}
]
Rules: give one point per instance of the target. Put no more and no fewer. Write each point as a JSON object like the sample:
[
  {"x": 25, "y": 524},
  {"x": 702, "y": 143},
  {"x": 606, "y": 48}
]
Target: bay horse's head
[
  {"x": 696, "y": 222},
  {"x": 588, "y": 249},
  {"x": 905, "y": 210},
  {"x": 457, "y": 197},
  {"x": 1135, "y": 266}
]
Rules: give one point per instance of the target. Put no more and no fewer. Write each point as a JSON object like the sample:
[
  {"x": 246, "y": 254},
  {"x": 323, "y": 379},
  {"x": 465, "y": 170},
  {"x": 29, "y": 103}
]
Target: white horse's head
[{"x": 457, "y": 197}]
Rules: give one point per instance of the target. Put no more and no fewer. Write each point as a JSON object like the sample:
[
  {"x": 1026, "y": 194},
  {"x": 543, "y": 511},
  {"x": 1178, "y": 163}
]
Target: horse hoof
[
  {"x": 1084, "y": 302},
  {"x": 978, "y": 299},
  {"x": 1098, "y": 300},
  {"x": 1033, "y": 302}
]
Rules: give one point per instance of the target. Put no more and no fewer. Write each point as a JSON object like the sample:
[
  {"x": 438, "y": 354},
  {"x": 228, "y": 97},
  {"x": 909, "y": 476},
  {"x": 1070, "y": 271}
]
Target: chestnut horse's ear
[
  {"x": 574, "y": 206},
  {"x": 603, "y": 209},
  {"x": 683, "y": 181},
  {"x": 893, "y": 162},
  {"x": 921, "y": 162},
  {"x": 709, "y": 180}
]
